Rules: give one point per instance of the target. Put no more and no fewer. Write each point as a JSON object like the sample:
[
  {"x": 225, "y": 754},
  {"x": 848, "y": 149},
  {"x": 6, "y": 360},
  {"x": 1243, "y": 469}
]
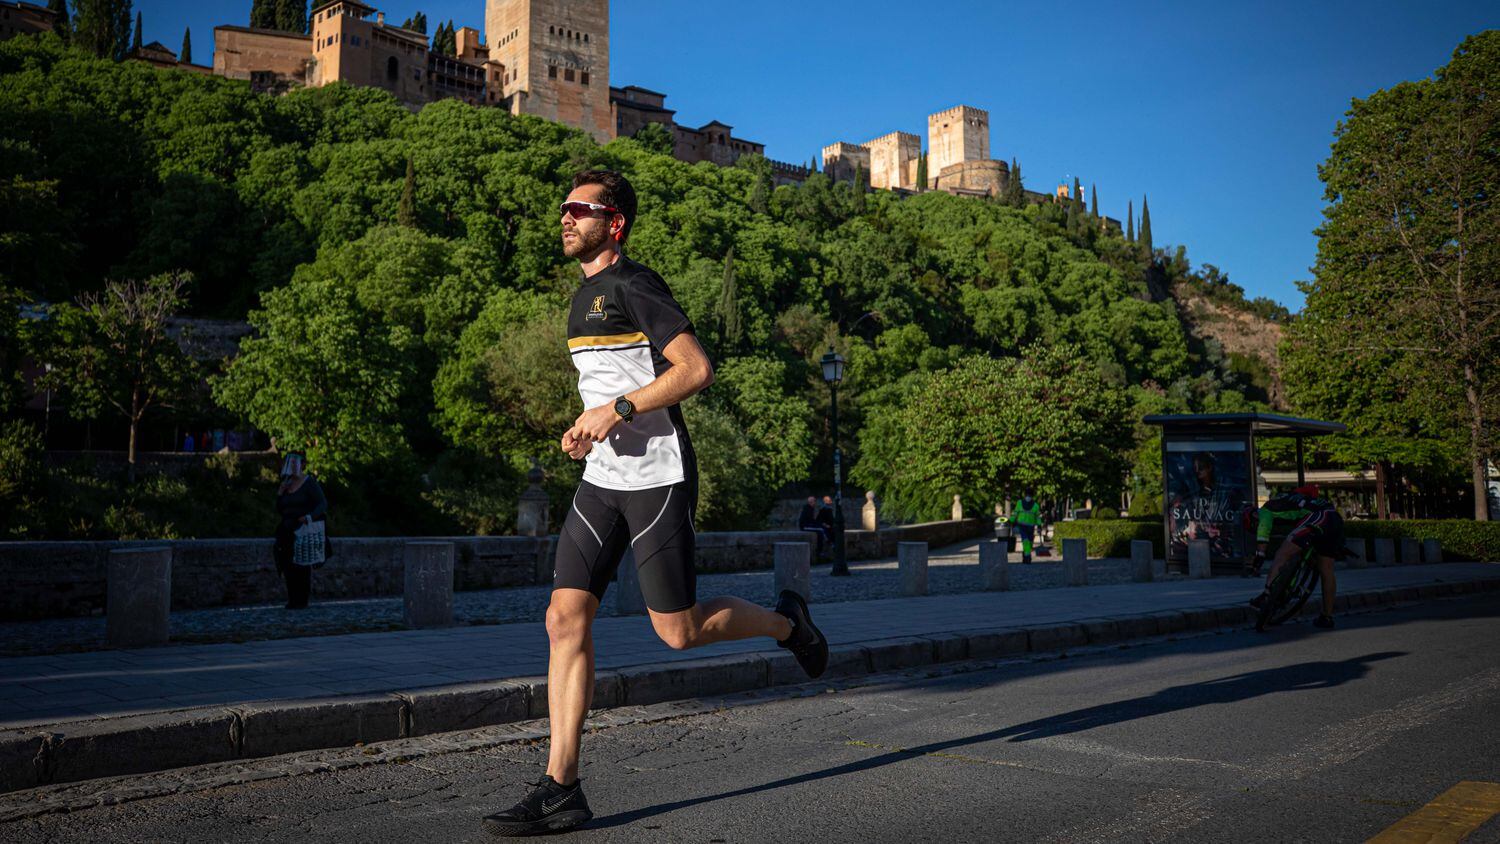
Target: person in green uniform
[{"x": 1028, "y": 517}]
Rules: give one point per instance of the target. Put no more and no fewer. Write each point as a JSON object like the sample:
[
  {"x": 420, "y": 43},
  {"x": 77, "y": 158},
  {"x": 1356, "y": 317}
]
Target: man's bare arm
[{"x": 690, "y": 374}]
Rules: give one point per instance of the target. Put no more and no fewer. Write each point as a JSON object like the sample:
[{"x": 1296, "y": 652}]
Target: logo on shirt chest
[{"x": 596, "y": 310}]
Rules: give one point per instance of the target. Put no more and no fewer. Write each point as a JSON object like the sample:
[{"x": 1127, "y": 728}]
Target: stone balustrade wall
[{"x": 56, "y": 579}]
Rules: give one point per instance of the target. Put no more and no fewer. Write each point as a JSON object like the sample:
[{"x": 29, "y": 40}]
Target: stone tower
[
  {"x": 556, "y": 57},
  {"x": 959, "y": 134},
  {"x": 893, "y": 160}
]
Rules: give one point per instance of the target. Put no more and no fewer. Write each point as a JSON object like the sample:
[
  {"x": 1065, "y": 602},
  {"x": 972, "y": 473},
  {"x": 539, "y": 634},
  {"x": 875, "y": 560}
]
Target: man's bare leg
[
  {"x": 719, "y": 620},
  {"x": 570, "y": 677},
  {"x": 1325, "y": 570}
]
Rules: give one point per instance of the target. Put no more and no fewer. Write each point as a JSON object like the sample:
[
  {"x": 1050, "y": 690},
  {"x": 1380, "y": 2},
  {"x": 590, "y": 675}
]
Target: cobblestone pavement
[{"x": 952, "y": 570}]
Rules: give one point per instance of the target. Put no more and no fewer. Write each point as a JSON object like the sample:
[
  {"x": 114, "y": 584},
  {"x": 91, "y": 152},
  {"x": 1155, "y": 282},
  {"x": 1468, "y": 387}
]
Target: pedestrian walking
[
  {"x": 637, "y": 358},
  {"x": 300, "y": 504},
  {"x": 1028, "y": 516}
]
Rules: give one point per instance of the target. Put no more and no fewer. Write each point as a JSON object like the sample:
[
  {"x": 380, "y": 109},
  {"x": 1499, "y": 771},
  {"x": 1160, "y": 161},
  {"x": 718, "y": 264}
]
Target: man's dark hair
[{"x": 617, "y": 194}]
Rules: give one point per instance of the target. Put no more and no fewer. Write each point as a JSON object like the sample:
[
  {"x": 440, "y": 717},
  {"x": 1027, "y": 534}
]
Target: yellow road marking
[{"x": 1450, "y": 817}]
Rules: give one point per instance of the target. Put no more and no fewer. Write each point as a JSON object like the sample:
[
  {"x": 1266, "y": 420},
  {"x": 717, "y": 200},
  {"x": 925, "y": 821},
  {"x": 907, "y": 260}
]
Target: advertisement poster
[{"x": 1208, "y": 491}]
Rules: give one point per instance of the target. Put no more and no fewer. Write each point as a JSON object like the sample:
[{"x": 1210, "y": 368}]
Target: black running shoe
[
  {"x": 806, "y": 642},
  {"x": 1260, "y": 600},
  {"x": 1324, "y": 621},
  {"x": 548, "y": 808}
]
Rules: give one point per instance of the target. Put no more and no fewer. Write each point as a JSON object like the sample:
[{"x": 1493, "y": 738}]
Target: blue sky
[{"x": 1219, "y": 112}]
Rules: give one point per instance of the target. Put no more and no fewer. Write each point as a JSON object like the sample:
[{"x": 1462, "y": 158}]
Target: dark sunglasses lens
[{"x": 578, "y": 210}]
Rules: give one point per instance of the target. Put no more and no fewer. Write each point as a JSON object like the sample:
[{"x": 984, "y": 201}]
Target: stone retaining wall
[{"x": 55, "y": 579}]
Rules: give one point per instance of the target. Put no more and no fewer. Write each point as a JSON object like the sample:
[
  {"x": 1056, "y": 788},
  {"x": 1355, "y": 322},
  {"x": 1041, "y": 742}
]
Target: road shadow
[{"x": 1304, "y": 676}]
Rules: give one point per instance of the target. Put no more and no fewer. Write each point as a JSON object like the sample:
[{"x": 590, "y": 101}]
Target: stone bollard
[
  {"x": 1411, "y": 551},
  {"x": 1075, "y": 562},
  {"x": 1199, "y": 559},
  {"x": 138, "y": 597},
  {"x": 531, "y": 512},
  {"x": 793, "y": 568},
  {"x": 911, "y": 558},
  {"x": 428, "y": 592},
  {"x": 958, "y": 509},
  {"x": 1385, "y": 551},
  {"x": 869, "y": 515},
  {"x": 1432, "y": 551},
  {"x": 1140, "y": 560},
  {"x": 629, "y": 600},
  {"x": 994, "y": 574},
  {"x": 1359, "y": 556}
]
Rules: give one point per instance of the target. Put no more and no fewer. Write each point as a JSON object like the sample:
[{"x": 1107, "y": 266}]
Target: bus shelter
[{"x": 1209, "y": 478}]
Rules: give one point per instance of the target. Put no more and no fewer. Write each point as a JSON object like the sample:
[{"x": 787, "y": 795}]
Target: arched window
[{"x": 392, "y": 68}]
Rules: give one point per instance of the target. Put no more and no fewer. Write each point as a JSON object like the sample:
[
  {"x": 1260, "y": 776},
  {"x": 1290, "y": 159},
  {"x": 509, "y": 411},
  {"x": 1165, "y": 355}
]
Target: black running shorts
[
  {"x": 657, "y": 523},
  {"x": 1322, "y": 531}
]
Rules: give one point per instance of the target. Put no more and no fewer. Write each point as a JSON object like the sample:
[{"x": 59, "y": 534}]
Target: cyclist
[{"x": 1318, "y": 526}]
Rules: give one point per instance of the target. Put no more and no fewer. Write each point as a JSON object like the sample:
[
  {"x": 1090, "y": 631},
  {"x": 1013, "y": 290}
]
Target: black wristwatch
[{"x": 624, "y": 409}]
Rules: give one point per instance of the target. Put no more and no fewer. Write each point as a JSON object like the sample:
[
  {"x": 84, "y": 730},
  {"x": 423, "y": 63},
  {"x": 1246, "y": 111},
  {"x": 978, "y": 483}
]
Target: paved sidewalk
[{"x": 50, "y": 689}]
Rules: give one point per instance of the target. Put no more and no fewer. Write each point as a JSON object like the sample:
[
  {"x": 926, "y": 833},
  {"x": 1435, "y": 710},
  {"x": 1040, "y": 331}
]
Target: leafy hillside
[{"x": 404, "y": 278}]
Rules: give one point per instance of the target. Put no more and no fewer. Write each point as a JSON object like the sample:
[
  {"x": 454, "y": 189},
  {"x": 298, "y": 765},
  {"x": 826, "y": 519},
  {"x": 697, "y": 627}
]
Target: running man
[
  {"x": 1318, "y": 526},
  {"x": 637, "y": 358}
]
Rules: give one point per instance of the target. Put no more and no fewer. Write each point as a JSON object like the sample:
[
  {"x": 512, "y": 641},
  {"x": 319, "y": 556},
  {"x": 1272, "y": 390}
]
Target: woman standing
[{"x": 299, "y": 501}]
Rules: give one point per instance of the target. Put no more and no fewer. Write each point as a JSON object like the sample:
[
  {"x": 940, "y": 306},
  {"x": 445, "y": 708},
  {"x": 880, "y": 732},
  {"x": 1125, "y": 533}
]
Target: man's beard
[{"x": 585, "y": 243}]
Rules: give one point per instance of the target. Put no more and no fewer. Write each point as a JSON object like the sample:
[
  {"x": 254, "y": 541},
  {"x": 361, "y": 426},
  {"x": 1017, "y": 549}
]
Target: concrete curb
[{"x": 82, "y": 750}]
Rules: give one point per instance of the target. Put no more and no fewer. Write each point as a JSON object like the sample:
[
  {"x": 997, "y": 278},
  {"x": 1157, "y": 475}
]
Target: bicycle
[{"x": 1290, "y": 589}]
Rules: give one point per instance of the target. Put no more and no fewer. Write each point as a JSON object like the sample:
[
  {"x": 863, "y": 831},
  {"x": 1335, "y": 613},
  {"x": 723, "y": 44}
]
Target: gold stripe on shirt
[{"x": 607, "y": 340}]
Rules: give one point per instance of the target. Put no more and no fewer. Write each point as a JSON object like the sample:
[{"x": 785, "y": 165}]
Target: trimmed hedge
[
  {"x": 1111, "y": 537},
  {"x": 1462, "y": 539}
]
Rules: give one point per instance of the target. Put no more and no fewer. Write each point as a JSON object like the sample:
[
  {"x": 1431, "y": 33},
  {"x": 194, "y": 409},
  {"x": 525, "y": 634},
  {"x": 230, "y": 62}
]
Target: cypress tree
[
  {"x": 1146, "y": 226},
  {"x": 135, "y": 45},
  {"x": 102, "y": 27},
  {"x": 1130, "y": 221},
  {"x": 859, "y": 188},
  {"x": 291, "y": 15},
  {"x": 263, "y": 14},
  {"x": 1015, "y": 189},
  {"x": 1077, "y": 196},
  {"x": 60, "y": 24},
  {"x": 187, "y": 47},
  {"x": 420, "y": 22},
  {"x": 1093, "y": 200},
  {"x": 921, "y": 171},
  {"x": 730, "y": 327},
  {"x": 406, "y": 213}
]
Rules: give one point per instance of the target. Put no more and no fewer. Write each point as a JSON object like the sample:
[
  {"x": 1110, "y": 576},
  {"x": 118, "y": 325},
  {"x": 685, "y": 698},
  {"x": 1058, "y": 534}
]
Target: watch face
[{"x": 622, "y": 407}]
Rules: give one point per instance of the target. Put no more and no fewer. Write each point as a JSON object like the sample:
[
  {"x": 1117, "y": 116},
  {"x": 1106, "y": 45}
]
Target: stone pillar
[
  {"x": 138, "y": 597},
  {"x": 958, "y": 508},
  {"x": 428, "y": 592},
  {"x": 912, "y": 560},
  {"x": 994, "y": 574},
  {"x": 531, "y": 513},
  {"x": 1140, "y": 560},
  {"x": 1075, "y": 562},
  {"x": 1199, "y": 558},
  {"x": 869, "y": 514},
  {"x": 1432, "y": 550},
  {"x": 628, "y": 597},
  {"x": 793, "y": 562},
  {"x": 1385, "y": 551},
  {"x": 1359, "y": 555},
  {"x": 1411, "y": 551}
]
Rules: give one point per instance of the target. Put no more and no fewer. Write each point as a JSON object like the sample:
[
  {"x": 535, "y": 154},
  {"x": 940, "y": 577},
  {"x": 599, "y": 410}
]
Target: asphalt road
[{"x": 1298, "y": 735}]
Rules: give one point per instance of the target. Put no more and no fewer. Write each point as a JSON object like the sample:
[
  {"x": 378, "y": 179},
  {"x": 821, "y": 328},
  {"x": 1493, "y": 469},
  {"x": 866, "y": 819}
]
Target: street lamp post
[{"x": 833, "y": 373}]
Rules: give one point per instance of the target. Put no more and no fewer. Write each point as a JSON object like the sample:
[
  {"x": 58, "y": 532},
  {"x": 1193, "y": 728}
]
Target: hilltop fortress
[{"x": 550, "y": 59}]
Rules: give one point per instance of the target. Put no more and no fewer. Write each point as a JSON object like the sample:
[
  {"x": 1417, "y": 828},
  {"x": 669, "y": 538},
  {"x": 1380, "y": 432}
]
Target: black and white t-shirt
[{"x": 620, "y": 321}]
